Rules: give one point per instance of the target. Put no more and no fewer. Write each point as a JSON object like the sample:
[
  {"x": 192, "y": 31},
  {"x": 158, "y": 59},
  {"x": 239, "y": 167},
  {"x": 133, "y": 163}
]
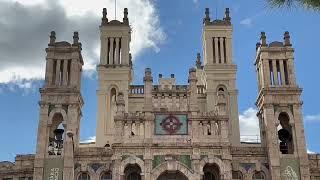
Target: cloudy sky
[{"x": 166, "y": 37}]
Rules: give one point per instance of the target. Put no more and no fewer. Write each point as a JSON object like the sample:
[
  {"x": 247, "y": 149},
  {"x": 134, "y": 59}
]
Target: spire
[
  {"x": 125, "y": 16},
  {"x": 52, "y": 38},
  {"x": 227, "y": 15},
  {"x": 263, "y": 39},
  {"x": 206, "y": 20},
  {"x": 104, "y": 16},
  {"x": 198, "y": 61},
  {"x": 287, "y": 39}
]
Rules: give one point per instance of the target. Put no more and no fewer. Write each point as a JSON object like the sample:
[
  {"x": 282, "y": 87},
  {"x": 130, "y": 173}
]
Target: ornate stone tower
[
  {"x": 60, "y": 110},
  {"x": 219, "y": 71},
  {"x": 115, "y": 74},
  {"x": 280, "y": 115}
]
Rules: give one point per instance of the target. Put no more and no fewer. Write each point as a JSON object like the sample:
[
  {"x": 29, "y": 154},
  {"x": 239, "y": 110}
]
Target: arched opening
[
  {"x": 172, "y": 175},
  {"x": 56, "y": 136},
  {"x": 211, "y": 172},
  {"x": 106, "y": 176},
  {"x": 132, "y": 172},
  {"x": 84, "y": 176},
  {"x": 285, "y": 134},
  {"x": 258, "y": 175},
  {"x": 236, "y": 175}
]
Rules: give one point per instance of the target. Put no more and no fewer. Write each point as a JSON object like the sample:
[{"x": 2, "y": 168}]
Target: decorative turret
[
  {"x": 287, "y": 39},
  {"x": 115, "y": 73},
  {"x": 52, "y": 38}
]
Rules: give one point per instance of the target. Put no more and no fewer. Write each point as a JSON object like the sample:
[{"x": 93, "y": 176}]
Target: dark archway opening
[
  {"x": 132, "y": 172},
  {"x": 172, "y": 175},
  {"x": 211, "y": 172}
]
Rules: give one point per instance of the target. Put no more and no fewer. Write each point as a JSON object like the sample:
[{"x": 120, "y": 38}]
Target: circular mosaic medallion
[{"x": 171, "y": 124}]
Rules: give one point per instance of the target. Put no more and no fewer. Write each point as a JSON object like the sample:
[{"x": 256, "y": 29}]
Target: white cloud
[
  {"x": 91, "y": 139},
  {"x": 249, "y": 126},
  {"x": 28, "y": 62},
  {"x": 310, "y": 152},
  {"x": 312, "y": 118},
  {"x": 246, "y": 22}
]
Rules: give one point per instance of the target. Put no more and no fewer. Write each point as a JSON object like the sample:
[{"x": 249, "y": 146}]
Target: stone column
[
  {"x": 148, "y": 104},
  {"x": 49, "y": 72},
  {"x": 42, "y": 139},
  {"x": 216, "y": 50},
  {"x": 272, "y": 142},
  {"x": 300, "y": 142},
  {"x": 65, "y": 73},
  {"x": 193, "y": 102},
  {"x": 57, "y": 83},
  {"x": 275, "y": 73}
]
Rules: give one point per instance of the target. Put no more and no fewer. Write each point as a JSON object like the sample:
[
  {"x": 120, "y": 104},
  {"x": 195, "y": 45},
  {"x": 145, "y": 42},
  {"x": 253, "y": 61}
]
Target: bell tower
[
  {"x": 115, "y": 74},
  {"x": 219, "y": 71},
  {"x": 60, "y": 110},
  {"x": 279, "y": 104}
]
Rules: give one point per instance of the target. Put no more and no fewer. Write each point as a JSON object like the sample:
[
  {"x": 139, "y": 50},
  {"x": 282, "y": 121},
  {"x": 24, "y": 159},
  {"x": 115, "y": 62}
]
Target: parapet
[{"x": 225, "y": 21}]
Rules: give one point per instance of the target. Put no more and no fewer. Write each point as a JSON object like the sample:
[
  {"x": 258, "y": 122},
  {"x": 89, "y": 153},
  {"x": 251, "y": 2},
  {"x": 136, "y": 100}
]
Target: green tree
[{"x": 312, "y": 4}]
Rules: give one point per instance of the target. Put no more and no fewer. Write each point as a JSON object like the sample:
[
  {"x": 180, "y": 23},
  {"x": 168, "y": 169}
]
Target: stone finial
[
  {"x": 160, "y": 75},
  {"x": 75, "y": 38},
  {"x": 206, "y": 20},
  {"x": 147, "y": 75},
  {"x": 198, "y": 61},
  {"x": 52, "y": 38},
  {"x": 172, "y": 75},
  {"x": 125, "y": 16},
  {"x": 287, "y": 39},
  {"x": 104, "y": 16},
  {"x": 227, "y": 15},
  {"x": 263, "y": 39}
]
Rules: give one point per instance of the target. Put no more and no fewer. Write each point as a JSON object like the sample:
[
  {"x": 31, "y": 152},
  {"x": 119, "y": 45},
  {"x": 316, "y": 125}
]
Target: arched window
[
  {"x": 258, "y": 175},
  {"x": 236, "y": 175},
  {"x": 106, "y": 176},
  {"x": 56, "y": 136},
  {"x": 84, "y": 176},
  {"x": 211, "y": 172},
  {"x": 113, "y": 95},
  {"x": 285, "y": 134},
  {"x": 132, "y": 172}
]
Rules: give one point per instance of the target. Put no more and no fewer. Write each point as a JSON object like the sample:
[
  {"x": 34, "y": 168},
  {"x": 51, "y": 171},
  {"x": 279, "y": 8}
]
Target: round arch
[
  {"x": 283, "y": 110},
  {"x": 171, "y": 166},
  {"x": 132, "y": 160},
  {"x": 213, "y": 160},
  {"x": 58, "y": 111}
]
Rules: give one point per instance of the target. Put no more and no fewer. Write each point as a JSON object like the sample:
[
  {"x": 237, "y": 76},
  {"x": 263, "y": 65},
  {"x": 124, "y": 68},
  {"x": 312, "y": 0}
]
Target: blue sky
[{"x": 167, "y": 42}]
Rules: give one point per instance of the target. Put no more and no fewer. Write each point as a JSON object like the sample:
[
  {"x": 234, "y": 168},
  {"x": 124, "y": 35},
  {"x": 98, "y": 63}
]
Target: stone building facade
[{"x": 168, "y": 131}]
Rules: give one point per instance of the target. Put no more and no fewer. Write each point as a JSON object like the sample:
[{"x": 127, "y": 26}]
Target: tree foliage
[{"x": 313, "y": 4}]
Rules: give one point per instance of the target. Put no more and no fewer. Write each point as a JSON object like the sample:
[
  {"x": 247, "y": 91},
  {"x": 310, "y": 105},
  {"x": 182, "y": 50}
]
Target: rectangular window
[
  {"x": 69, "y": 72},
  {"x": 286, "y": 76},
  {"x": 219, "y": 50},
  {"x": 224, "y": 50},
  {"x": 271, "y": 73},
  {"x": 54, "y": 72},
  {"x": 214, "y": 50}
]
